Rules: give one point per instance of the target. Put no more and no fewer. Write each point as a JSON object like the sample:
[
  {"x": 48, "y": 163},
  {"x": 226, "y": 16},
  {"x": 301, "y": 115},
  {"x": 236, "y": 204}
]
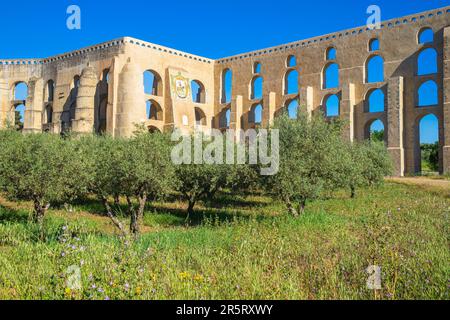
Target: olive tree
[{"x": 41, "y": 168}]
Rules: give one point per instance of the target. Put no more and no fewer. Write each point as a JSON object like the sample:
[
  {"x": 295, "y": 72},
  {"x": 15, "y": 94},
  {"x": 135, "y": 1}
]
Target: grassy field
[{"x": 243, "y": 248}]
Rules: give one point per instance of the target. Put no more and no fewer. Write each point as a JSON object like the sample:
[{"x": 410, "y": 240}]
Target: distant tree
[
  {"x": 430, "y": 156},
  {"x": 377, "y": 162},
  {"x": 41, "y": 168},
  {"x": 377, "y": 136}
]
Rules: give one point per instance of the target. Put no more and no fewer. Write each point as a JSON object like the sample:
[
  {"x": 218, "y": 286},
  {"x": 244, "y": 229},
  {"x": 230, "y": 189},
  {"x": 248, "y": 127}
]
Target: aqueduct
[{"x": 393, "y": 76}]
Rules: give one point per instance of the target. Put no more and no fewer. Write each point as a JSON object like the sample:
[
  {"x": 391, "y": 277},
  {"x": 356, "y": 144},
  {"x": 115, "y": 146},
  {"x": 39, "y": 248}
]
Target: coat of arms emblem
[{"x": 181, "y": 86}]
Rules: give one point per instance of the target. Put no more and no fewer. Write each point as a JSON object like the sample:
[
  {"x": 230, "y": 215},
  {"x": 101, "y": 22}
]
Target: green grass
[{"x": 237, "y": 247}]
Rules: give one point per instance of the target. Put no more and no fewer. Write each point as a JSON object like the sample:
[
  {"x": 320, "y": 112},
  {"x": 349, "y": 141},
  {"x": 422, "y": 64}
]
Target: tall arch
[
  {"x": 256, "y": 90},
  {"x": 257, "y": 68},
  {"x": 428, "y": 149},
  {"x": 375, "y": 101},
  {"x": 227, "y": 85},
  {"x": 49, "y": 91},
  {"x": 292, "y": 108},
  {"x": 374, "y": 45},
  {"x": 375, "y": 69},
  {"x": 291, "y": 61},
  {"x": 375, "y": 131},
  {"x": 332, "y": 106},
  {"x": 103, "y": 116},
  {"x": 291, "y": 82},
  {"x": 20, "y": 91},
  {"x": 256, "y": 114},
  {"x": 48, "y": 114},
  {"x": 152, "y": 83}
]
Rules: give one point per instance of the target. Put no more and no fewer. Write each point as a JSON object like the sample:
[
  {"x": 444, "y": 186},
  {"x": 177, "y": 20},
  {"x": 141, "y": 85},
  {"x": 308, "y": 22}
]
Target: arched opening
[
  {"x": 428, "y": 94},
  {"x": 48, "y": 114},
  {"x": 376, "y": 131},
  {"x": 102, "y": 116},
  {"x": 153, "y": 130},
  {"x": 154, "y": 110},
  {"x": 152, "y": 83},
  {"x": 227, "y": 83},
  {"x": 376, "y": 101},
  {"x": 426, "y": 35},
  {"x": 375, "y": 69},
  {"x": 256, "y": 114},
  {"x": 427, "y": 62},
  {"x": 105, "y": 76},
  {"x": 428, "y": 138},
  {"x": 331, "y": 54},
  {"x": 291, "y": 61},
  {"x": 20, "y": 91},
  {"x": 198, "y": 92},
  {"x": 257, "y": 88},
  {"x": 331, "y": 76},
  {"x": 74, "y": 87},
  {"x": 200, "y": 117},
  {"x": 49, "y": 91},
  {"x": 332, "y": 106},
  {"x": 292, "y": 109},
  {"x": 374, "y": 45},
  {"x": 225, "y": 118},
  {"x": 291, "y": 82},
  {"x": 257, "y": 68}
]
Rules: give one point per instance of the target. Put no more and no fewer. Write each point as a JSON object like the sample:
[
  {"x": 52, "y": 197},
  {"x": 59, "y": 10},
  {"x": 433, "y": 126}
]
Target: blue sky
[{"x": 210, "y": 28}]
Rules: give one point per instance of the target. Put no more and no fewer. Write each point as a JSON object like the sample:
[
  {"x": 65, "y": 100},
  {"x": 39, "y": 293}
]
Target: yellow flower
[
  {"x": 184, "y": 275},
  {"x": 68, "y": 292},
  {"x": 198, "y": 278},
  {"x": 138, "y": 291}
]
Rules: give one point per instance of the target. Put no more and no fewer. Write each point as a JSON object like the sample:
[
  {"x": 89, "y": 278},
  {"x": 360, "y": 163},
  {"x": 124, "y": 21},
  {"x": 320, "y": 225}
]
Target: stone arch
[
  {"x": 19, "y": 91},
  {"x": 425, "y": 35},
  {"x": 291, "y": 82},
  {"x": 331, "y": 105},
  {"x": 153, "y": 83},
  {"x": 255, "y": 115},
  {"x": 427, "y": 62},
  {"x": 374, "y": 45},
  {"x": 331, "y": 54},
  {"x": 427, "y": 94},
  {"x": 225, "y": 118},
  {"x": 427, "y": 133},
  {"x": 154, "y": 110},
  {"x": 375, "y": 101},
  {"x": 292, "y": 107},
  {"x": 257, "y": 68},
  {"x": 227, "y": 85},
  {"x": 200, "y": 117},
  {"x": 375, "y": 130},
  {"x": 374, "y": 67},
  {"x": 256, "y": 88},
  {"x": 49, "y": 91},
  {"x": 198, "y": 91},
  {"x": 48, "y": 114},
  {"x": 330, "y": 76},
  {"x": 291, "y": 61}
]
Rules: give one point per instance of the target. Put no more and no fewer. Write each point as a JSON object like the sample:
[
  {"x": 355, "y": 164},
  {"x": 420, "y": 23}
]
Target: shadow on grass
[{"x": 13, "y": 215}]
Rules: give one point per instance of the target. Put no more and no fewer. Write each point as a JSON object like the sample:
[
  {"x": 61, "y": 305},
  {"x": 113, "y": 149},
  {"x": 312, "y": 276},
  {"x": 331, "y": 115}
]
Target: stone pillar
[
  {"x": 85, "y": 106},
  {"x": 34, "y": 106},
  {"x": 130, "y": 101},
  {"x": 395, "y": 125},
  {"x": 307, "y": 99},
  {"x": 4, "y": 103},
  {"x": 446, "y": 103},
  {"x": 271, "y": 108},
  {"x": 236, "y": 113},
  {"x": 347, "y": 110}
]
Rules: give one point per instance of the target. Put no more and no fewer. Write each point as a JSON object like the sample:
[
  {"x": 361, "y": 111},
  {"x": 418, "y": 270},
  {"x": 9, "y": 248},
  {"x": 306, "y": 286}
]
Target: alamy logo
[
  {"x": 374, "y": 20},
  {"x": 258, "y": 148},
  {"x": 74, "y": 20}
]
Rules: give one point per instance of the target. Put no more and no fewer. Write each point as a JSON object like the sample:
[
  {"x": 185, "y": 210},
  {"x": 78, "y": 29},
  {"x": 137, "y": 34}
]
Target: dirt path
[{"x": 433, "y": 184}]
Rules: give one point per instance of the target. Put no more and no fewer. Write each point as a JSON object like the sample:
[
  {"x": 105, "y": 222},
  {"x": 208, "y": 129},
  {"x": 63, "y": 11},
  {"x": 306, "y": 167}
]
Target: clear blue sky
[{"x": 214, "y": 29}]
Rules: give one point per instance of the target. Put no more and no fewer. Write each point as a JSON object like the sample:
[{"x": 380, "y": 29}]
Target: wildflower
[
  {"x": 82, "y": 262},
  {"x": 184, "y": 275},
  {"x": 107, "y": 298},
  {"x": 138, "y": 291},
  {"x": 94, "y": 286},
  {"x": 68, "y": 291},
  {"x": 64, "y": 228},
  {"x": 63, "y": 254},
  {"x": 127, "y": 286},
  {"x": 100, "y": 290},
  {"x": 198, "y": 278}
]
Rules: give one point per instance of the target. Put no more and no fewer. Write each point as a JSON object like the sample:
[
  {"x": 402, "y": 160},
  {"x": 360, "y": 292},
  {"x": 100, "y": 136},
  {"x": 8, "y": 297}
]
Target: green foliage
[
  {"x": 430, "y": 156},
  {"x": 377, "y": 136}
]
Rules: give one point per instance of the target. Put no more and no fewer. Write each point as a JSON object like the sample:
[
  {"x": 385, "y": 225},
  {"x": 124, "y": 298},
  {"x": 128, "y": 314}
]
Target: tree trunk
[
  {"x": 112, "y": 216},
  {"x": 290, "y": 207},
  {"x": 190, "y": 210},
  {"x": 117, "y": 200},
  {"x": 301, "y": 207},
  {"x": 353, "y": 191},
  {"x": 38, "y": 216},
  {"x": 138, "y": 215}
]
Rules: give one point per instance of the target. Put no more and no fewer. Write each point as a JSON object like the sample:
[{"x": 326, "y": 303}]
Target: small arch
[
  {"x": 331, "y": 54},
  {"x": 427, "y": 62},
  {"x": 256, "y": 91},
  {"x": 374, "y": 45},
  {"x": 105, "y": 76},
  {"x": 20, "y": 91},
  {"x": 291, "y": 61},
  {"x": 257, "y": 68},
  {"x": 200, "y": 117},
  {"x": 227, "y": 85},
  {"x": 152, "y": 83},
  {"x": 153, "y": 130},
  {"x": 375, "y": 69},
  {"x": 291, "y": 82},
  {"x": 154, "y": 110},
  {"x": 256, "y": 114},
  {"x": 428, "y": 94},
  {"x": 198, "y": 92},
  {"x": 375, "y": 131},
  {"x": 425, "y": 35},
  {"x": 332, "y": 106},
  {"x": 292, "y": 108},
  {"x": 376, "y": 101},
  {"x": 331, "y": 76},
  {"x": 48, "y": 114},
  {"x": 19, "y": 116}
]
